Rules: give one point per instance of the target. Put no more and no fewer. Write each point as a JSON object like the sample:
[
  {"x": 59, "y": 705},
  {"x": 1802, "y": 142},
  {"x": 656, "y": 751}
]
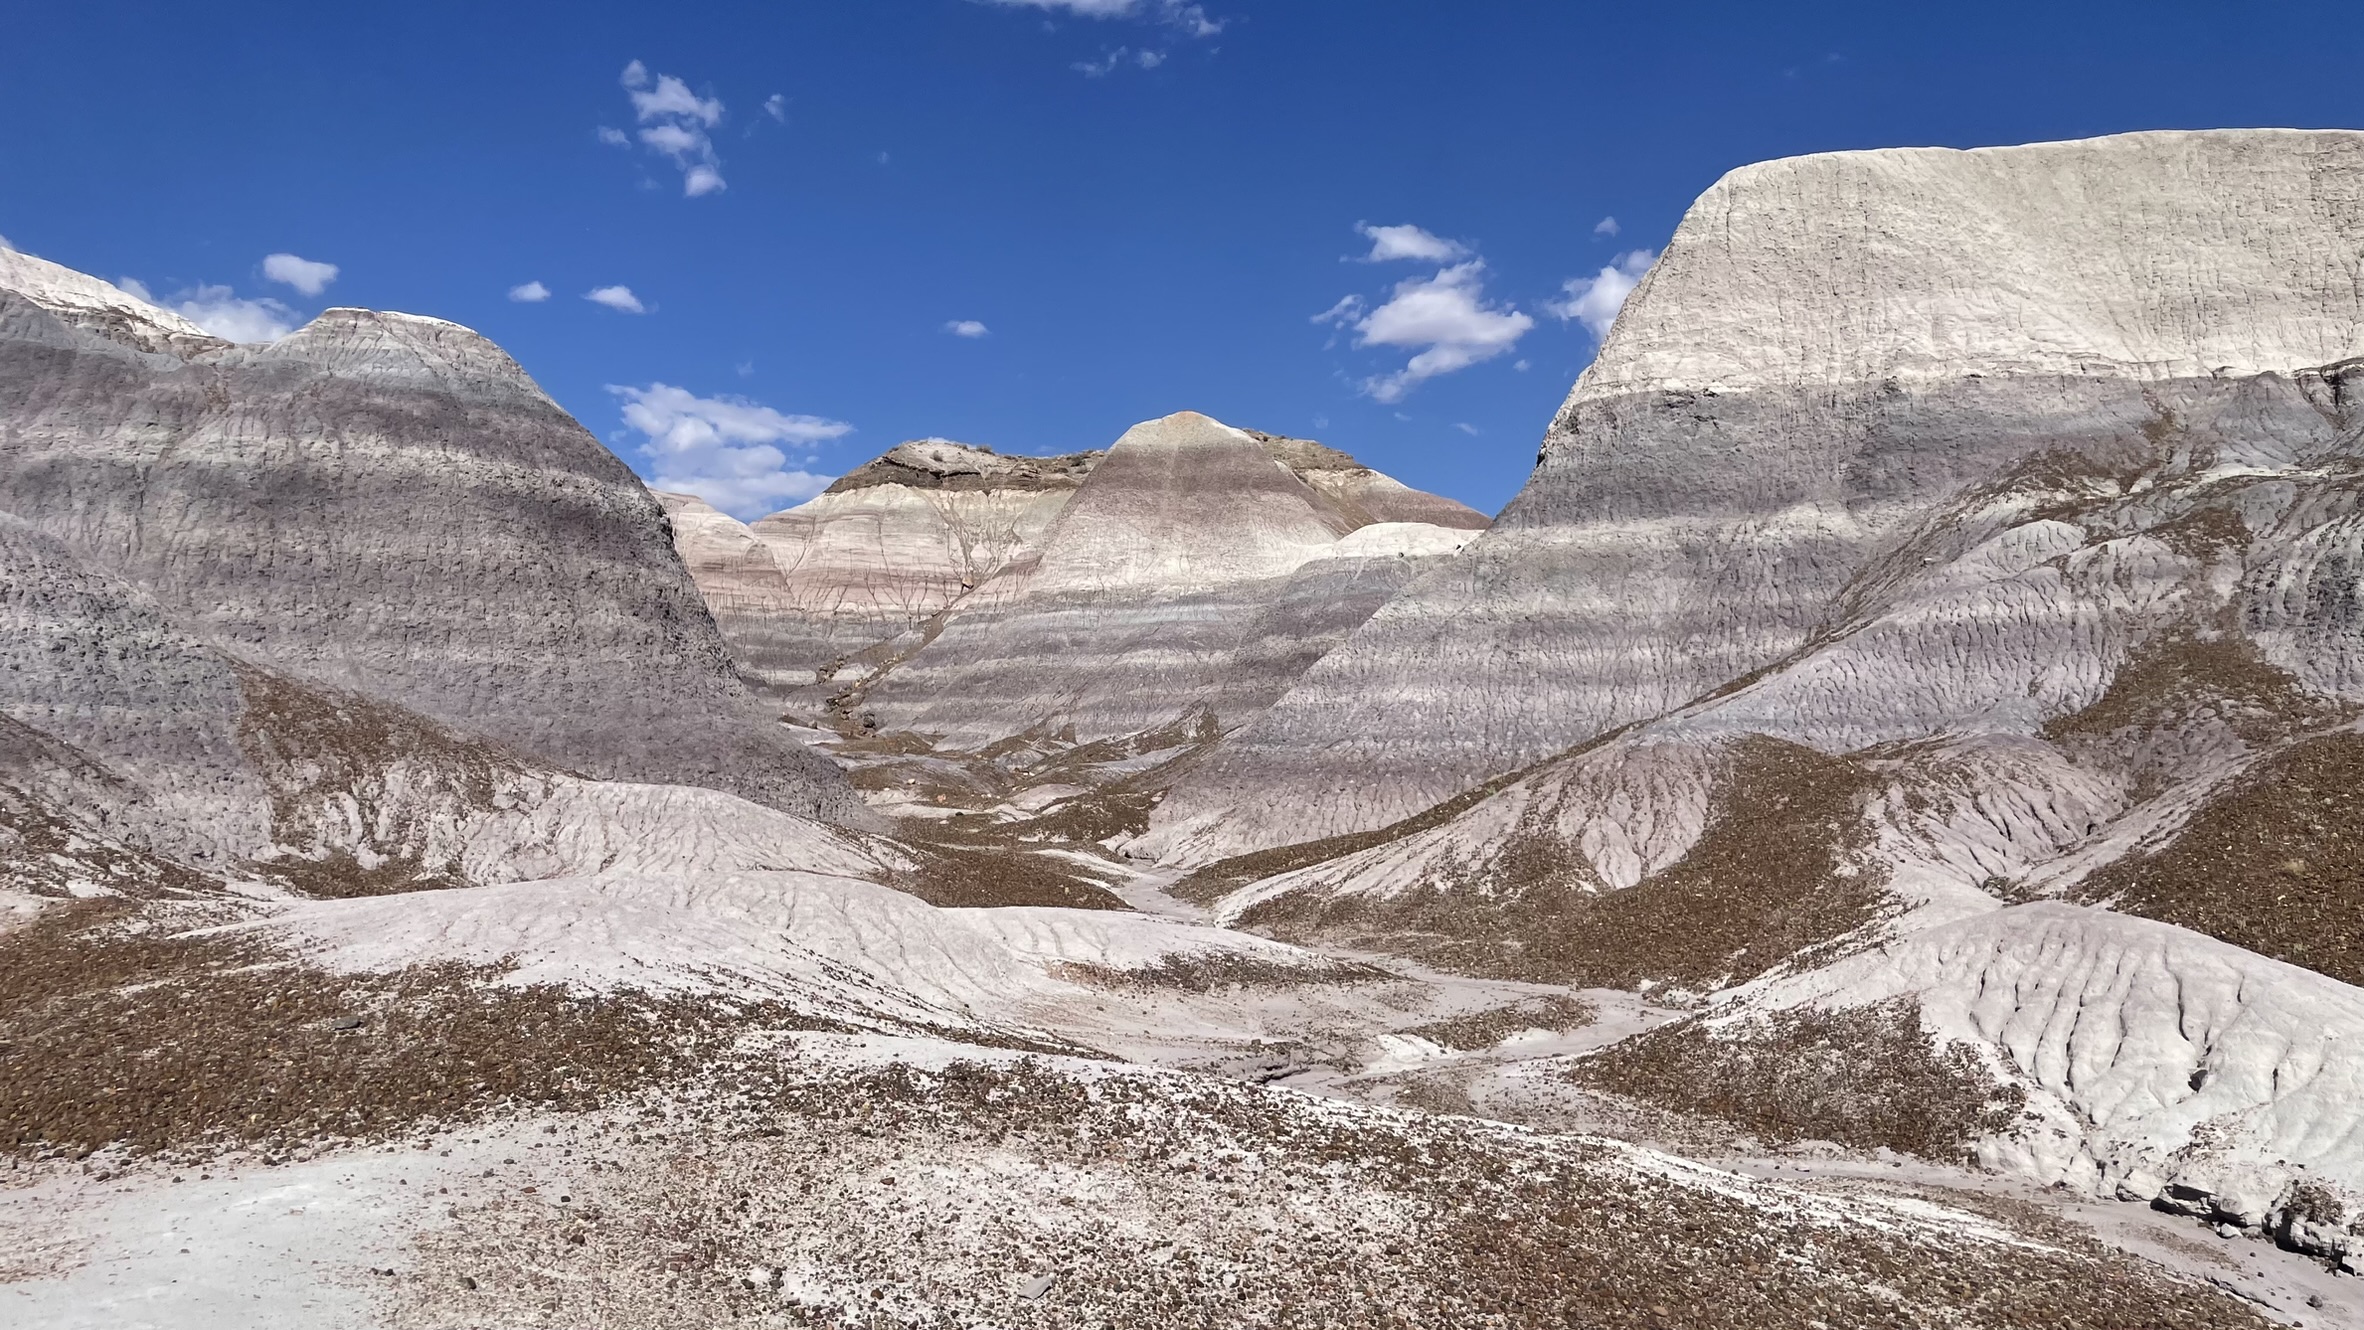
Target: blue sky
[{"x": 1130, "y": 206}]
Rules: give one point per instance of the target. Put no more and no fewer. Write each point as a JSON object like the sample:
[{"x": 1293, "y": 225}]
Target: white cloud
[
  {"x": 305, "y": 275},
  {"x": 1409, "y": 242},
  {"x": 672, "y": 140},
  {"x": 966, "y": 328},
  {"x": 1348, "y": 309},
  {"x": 219, "y": 311},
  {"x": 1103, "y": 66},
  {"x": 668, "y": 99},
  {"x": 5, "y": 245},
  {"x": 613, "y": 137},
  {"x": 1594, "y": 301},
  {"x": 1188, "y": 17},
  {"x": 616, "y": 297},
  {"x": 531, "y": 293},
  {"x": 1149, "y": 59},
  {"x": 726, "y": 450},
  {"x": 1446, "y": 316},
  {"x": 1607, "y": 226},
  {"x": 673, "y": 124},
  {"x": 776, "y": 106},
  {"x": 136, "y": 288},
  {"x": 1468, "y": 429}
]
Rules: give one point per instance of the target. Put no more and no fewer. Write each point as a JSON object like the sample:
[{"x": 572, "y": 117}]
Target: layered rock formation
[
  {"x": 1197, "y": 571},
  {"x": 523, "y": 588},
  {"x": 361, "y": 610},
  {"x": 886, "y": 546},
  {"x": 1879, "y": 581},
  {"x": 1790, "y": 399},
  {"x": 813, "y": 594}
]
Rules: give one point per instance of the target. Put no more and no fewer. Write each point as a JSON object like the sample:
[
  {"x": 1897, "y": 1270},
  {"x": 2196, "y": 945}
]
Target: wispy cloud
[
  {"x": 1348, "y": 309},
  {"x": 1594, "y": 301},
  {"x": 726, "y": 450},
  {"x": 1444, "y": 319},
  {"x": 530, "y": 293},
  {"x": 1607, "y": 226},
  {"x": 304, "y": 275},
  {"x": 220, "y": 311},
  {"x": 615, "y": 297},
  {"x": 1389, "y": 243},
  {"x": 967, "y": 328},
  {"x": 674, "y": 123},
  {"x": 776, "y": 106},
  {"x": 1184, "y": 16},
  {"x": 1110, "y": 61}
]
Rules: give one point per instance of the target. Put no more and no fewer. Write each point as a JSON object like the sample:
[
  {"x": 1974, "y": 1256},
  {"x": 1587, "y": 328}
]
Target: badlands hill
[
  {"x": 1803, "y": 423},
  {"x": 816, "y": 593},
  {"x": 1951, "y": 615},
  {"x": 1194, "y": 574},
  {"x": 1865, "y": 840},
  {"x": 232, "y": 647},
  {"x": 883, "y": 548}
]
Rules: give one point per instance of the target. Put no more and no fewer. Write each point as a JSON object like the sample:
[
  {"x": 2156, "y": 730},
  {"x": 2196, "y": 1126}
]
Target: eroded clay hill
[
  {"x": 2066, "y": 361},
  {"x": 226, "y": 645},
  {"x": 1195, "y": 572},
  {"x": 1951, "y": 614},
  {"x": 888, "y": 545},
  {"x": 826, "y": 592}
]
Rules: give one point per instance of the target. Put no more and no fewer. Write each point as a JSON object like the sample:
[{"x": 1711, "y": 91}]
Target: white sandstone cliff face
[
  {"x": 385, "y": 504},
  {"x": 1195, "y": 572},
  {"x": 1786, "y": 397}
]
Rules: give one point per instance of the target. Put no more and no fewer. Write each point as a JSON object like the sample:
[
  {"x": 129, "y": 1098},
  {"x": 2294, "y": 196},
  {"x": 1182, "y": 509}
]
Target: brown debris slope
[
  {"x": 865, "y": 1195},
  {"x": 700, "y": 1161}
]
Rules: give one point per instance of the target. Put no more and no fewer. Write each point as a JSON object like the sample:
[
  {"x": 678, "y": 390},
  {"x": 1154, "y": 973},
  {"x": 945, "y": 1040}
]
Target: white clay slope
[
  {"x": 60, "y": 288},
  {"x": 834, "y": 946},
  {"x": 2156, "y": 255},
  {"x": 2156, "y": 1057}
]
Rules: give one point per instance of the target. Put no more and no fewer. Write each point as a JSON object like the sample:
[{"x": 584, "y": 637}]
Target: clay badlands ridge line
[{"x": 1912, "y": 697}]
